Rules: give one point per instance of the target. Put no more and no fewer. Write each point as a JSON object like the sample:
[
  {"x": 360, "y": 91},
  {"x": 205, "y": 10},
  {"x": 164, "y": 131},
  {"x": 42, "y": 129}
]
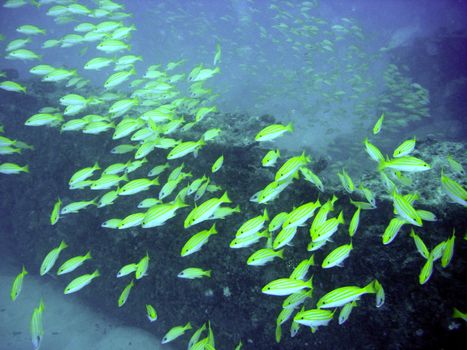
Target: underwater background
[{"x": 362, "y": 103}]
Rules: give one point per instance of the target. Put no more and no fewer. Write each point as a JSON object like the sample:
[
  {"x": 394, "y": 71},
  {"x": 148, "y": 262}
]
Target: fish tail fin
[
  {"x": 265, "y": 215},
  {"x": 225, "y": 198},
  {"x": 96, "y": 273},
  {"x": 63, "y": 245},
  {"x": 88, "y": 255},
  {"x": 311, "y": 261},
  {"x": 23, "y": 271},
  {"x": 290, "y": 127},
  {"x": 26, "y": 168},
  {"x": 280, "y": 253}
]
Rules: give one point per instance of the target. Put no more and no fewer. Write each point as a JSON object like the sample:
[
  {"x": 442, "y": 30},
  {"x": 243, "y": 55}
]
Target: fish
[
  {"x": 127, "y": 269},
  {"x": 405, "y": 148},
  {"x": 290, "y": 167},
  {"x": 160, "y": 213},
  {"x": 125, "y": 294},
  {"x": 270, "y": 159},
  {"x": 142, "y": 267},
  {"x": 151, "y": 313},
  {"x": 421, "y": 247},
  {"x": 314, "y": 318},
  {"x": 12, "y": 86},
  {"x": 17, "y": 285},
  {"x": 23, "y": 54},
  {"x": 194, "y": 272},
  {"x": 405, "y": 210},
  {"x": 73, "y": 263},
  {"x": 343, "y": 295},
  {"x": 263, "y": 256},
  {"x": 51, "y": 257},
  {"x": 137, "y": 185},
  {"x": 337, "y": 256},
  {"x": 185, "y": 148},
  {"x": 405, "y": 163},
  {"x": 273, "y": 131},
  {"x": 310, "y": 176},
  {"x": 29, "y": 29},
  {"x": 12, "y": 168},
  {"x": 345, "y": 311},
  {"x": 427, "y": 270},
  {"x": 391, "y": 231},
  {"x": 205, "y": 210},
  {"x": 452, "y": 189},
  {"x": 253, "y": 225},
  {"x": 286, "y": 286},
  {"x": 327, "y": 228},
  {"x": 195, "y": 243},
  {"x": 302, "y": 268},
  {"x": 300, "y": 215},
  {"x": 112, "y": 46},
  {"x": 75, "y": 207},
  {"x": 354, "y": 222},
  {"x": 175, "y": 332},
  {"x": 36, "y": 326},
  {"x": 448, "y": 250},
  {"x": 80, "y": 282},
  {"x": 83, "y": 174},
  {"x": 217, "y": 164},
  {"x": 378, "y": 125}
]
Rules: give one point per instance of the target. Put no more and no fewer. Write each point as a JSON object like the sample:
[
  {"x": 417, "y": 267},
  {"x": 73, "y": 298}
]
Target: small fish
[
  {"x": 448, "y": 250},
  {"x": 354, "y": 222},
  {"x": 373, "y": 151},
  {"x": 290, "y": 167},
  {"x": 263, "y": 256},
  {"x": 455, "y": 165},
  {"x": 80, "y": 282},
  {"x": 270, "y": 159},
  {"x": 253, "y": 225},
  {"x": 314, "y": 318},
  {"x": 426, "y": 270},
  {"x": 194, "y": 272},
  {"x": 273, "y": 131},
  {"x": 391, "y": 231},
  {"x": 337, "y": 256},
  {"x": 217, "y": 164},
  {"x": 380, "y": 295},
  {"x": 405, "y": 148},
  {"x": 17, "y": 285},
  {"x": 151, "y": 313},
  {"x": 286, "y": 286},
  {"x": 175, "y": 332},
  {"x": 343, "y": 295},
  {"x": 36, "y": 326},
  {"x": 29, "y": 29},
  {"x": 406, "y": 163},
  {"x": 137, "y": 185},
  {"x": 142, "y": 267},
  {"x": 421, "y": 247},
  {"x": 127, "y": 269},
  {"x": 73, "y": 263},
  {"x": 55, "y": 215},
  {"x": 75, "y": 207},
  {"x": 196, "y": 242},
  {"x": 51, "y": 258},
  {"x": 12, "y": 86},
  {"x": 125, "y": 293},
  {"x": 378, "y": 125},
  {"x": 83, "y": 174},
  {"x": 205, "y": 210},
  {"x": 345, "y": 311},
  {"x": 405, "y": 209},
  {"x": 453, "y": 189}
]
